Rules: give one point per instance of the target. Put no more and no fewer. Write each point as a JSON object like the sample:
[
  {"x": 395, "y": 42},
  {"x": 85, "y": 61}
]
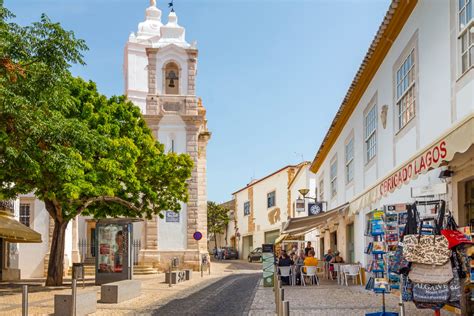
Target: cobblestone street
[{"x": 154, "y": 294}]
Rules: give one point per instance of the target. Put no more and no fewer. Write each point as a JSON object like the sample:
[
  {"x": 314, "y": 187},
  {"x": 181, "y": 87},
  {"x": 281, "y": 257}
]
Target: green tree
[
  {"x": 78, "y": 151},
  {"x": 217, "y": 219}
]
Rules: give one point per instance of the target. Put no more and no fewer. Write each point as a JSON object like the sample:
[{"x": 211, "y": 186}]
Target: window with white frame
[
  {"x": 333, "y": 178},
  {"x": 246, "y": 208},
  {"x": 321, "y": 190},
  {"x": 25, "y": 214},
  {"x": 349, "y": 158},
  {"x": 370, "y": 124},
  {"x": 406, "y": 90},
  {"x": 466, "y": 33}
]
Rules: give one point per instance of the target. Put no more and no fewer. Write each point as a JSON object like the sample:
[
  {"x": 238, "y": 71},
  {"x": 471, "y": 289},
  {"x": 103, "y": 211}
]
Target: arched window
[{"x": 171, "y": 78}]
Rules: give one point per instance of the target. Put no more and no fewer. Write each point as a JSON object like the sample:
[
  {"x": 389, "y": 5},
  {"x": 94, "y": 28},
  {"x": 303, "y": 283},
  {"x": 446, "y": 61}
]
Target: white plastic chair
[
  {"x": 311, "y": 273},
  {"x": 286, "y": 272},
  {"x": 353, "y": 271}
]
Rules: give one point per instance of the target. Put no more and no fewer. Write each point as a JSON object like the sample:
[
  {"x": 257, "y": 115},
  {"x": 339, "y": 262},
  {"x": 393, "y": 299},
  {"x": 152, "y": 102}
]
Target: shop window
[
  {"x": 171, "y": 78},
  {"x": 466, "y": 37},
  {"x": 271, "y": 199},
  {"x": 247, "y": 208},
  {"x": 25, "y": 213}
]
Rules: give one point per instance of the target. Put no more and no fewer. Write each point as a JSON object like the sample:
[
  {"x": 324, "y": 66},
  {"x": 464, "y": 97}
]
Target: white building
[
  {"x": 160, "y": 69},
  {"x": 408, "y": 114},
  {"x": 264, "y": 204}
]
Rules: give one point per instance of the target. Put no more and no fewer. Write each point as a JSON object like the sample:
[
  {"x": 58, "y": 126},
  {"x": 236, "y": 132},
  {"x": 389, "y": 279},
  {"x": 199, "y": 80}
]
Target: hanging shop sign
[
  {"x": 429, "y": 159},
  {"x": 300, "y": 205}
]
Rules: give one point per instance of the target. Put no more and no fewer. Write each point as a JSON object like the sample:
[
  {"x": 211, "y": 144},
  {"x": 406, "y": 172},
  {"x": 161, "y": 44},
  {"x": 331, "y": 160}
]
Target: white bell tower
[{"x": 160, "y": 70}]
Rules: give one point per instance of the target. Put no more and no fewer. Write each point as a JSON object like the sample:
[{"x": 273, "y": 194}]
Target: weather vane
[{"x": 170, "y": 5}]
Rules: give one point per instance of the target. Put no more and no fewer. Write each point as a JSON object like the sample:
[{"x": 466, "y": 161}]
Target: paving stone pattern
[
  {"x": 329, "y": 299},
  {"x": 229, "y": 296}
]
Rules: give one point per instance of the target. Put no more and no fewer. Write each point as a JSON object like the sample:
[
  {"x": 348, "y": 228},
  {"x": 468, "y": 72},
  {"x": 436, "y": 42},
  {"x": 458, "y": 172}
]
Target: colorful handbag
[
  {"x": 429, "y": 274},
  {"x": 455, "y": 238},
  {"x": 426, "y": 249},
  {"x": 430, "y": 293}
]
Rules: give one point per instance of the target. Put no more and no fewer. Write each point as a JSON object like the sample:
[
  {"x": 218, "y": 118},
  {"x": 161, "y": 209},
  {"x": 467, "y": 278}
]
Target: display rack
[{"x": 378, "y": 265}]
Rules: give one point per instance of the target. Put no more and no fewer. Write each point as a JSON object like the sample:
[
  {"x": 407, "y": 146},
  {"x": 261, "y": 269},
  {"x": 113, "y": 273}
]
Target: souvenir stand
[{"x": 377, "y": 248}]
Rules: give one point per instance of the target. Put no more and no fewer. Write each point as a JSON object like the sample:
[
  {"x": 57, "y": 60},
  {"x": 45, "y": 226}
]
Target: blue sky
[{"x": 272, "y": 74}]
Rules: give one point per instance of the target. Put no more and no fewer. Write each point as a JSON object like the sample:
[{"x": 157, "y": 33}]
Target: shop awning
[
  {"x": 456, "y": 140},
  {"x": 302, "y": 225},
  {"x": 13, "y": 231}
]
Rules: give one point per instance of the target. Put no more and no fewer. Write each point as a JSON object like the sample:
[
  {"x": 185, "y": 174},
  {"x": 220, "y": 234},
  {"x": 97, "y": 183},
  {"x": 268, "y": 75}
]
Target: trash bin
[{"x": 78, "y": 271}]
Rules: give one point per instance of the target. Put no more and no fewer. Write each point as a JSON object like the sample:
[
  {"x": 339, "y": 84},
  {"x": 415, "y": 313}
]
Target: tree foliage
[
  {"x": 217, "y": 219},
  {"x": 78, "y": 151}
]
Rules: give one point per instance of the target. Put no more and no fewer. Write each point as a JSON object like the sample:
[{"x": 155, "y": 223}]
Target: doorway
[
  {"x": 350, "y": 255},
  {"x": 271, "y": 236},
  {"x": 247, "y": 246},
  {"x": 321, "y": 248},
  {"x": 90, "y": 244},
  {"x": 333, "y": 241}
]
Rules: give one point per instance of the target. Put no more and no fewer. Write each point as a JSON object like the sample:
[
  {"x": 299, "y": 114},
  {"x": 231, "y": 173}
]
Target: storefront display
[
  {"x": 114, "y": 252},
  {"x": 112, "y": 245}
]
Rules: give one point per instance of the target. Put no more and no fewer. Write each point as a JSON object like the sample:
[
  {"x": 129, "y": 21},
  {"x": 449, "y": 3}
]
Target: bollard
[
  {"x": 73, "y": 297},
  {"x": 277, "y": 302},
  {"x": 286, "y": 308},
  {"x": 169, "y": 276},
  {"x": 281, "y": 297},
  {"x": 24, "y": 301},
  {"x": 209, "y": 266}
]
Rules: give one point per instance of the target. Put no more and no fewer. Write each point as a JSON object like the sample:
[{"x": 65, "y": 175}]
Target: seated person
[
  {"x": 285, "y": 261},
  {"x": 336, "y": 259},
  {"x": 310, "y": 260}
]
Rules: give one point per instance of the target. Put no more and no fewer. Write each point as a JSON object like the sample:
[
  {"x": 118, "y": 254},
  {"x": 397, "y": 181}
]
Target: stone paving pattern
[
  {"x": 155, "y": 293},
  {"x": 330, "y": 299}
]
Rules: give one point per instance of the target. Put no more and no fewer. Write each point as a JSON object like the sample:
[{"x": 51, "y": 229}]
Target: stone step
[{"x": 144, "y": 270}]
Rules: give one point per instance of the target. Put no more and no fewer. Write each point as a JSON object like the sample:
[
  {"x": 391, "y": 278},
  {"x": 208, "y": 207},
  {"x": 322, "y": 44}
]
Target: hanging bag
[
  {"x": 427, "y": 249},
  {"x": 429, "y": 274}
]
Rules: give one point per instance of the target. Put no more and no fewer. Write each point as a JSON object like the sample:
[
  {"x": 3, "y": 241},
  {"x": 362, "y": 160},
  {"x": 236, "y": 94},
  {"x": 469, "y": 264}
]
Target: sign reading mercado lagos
[{"x": 431, "y": 158}]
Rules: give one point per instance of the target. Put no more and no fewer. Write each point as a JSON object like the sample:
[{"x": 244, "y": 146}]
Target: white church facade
[{"x": 160, "y": 70}]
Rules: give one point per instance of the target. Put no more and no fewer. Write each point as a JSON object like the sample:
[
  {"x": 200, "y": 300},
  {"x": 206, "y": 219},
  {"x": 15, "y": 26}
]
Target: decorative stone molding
[{"x": 251, "y": 219}]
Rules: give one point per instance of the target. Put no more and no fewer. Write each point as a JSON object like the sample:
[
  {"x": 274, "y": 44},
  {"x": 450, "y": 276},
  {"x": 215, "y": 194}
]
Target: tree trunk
[
  {"x": 215, "y": 239},
  {"x": 56, "y": 254},
  {"x": 225, "y": 238}
]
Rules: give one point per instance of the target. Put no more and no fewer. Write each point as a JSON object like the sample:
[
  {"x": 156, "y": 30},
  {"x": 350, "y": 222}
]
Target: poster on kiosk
[{"x": 113, "y": 251}]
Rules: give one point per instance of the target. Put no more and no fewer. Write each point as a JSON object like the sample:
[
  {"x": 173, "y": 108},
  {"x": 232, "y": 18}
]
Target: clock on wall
[{"x": 315, "y": 208}]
